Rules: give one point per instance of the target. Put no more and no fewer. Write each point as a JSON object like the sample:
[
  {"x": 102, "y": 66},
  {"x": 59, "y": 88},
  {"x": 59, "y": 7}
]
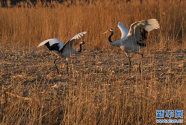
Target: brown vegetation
[
  {"x": 29, "y": 26},
  {"x": 99, "y": 90}
]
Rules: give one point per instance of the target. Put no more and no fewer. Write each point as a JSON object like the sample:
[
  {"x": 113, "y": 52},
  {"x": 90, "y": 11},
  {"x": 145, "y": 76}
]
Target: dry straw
[{"x": 99, "y": 89}]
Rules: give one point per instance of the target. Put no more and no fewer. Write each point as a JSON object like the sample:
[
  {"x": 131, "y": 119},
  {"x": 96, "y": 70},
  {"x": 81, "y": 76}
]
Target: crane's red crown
[{"x": 111, "y": 30}]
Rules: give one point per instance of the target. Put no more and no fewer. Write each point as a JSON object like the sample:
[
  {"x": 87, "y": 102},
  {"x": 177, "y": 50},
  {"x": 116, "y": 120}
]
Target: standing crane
[
  {"x": 132, "y": 39},
  {"x": 63, "y": 50}
]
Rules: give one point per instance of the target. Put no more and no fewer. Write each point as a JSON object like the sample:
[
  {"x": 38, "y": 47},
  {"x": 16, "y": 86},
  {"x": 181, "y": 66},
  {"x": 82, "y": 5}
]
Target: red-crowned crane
[
  {"x": 132, "y": 39},
  {"x": 63, "y": 50}
]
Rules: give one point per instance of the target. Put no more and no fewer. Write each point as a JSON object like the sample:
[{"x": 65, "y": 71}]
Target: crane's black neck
[
  {"x": 80, "y": 47},
  {"x": 112, "y": 32}
]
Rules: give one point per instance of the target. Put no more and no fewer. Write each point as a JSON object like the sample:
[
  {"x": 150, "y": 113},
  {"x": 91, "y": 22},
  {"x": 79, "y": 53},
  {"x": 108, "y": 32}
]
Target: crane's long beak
[{"x": 106, "y": 32}]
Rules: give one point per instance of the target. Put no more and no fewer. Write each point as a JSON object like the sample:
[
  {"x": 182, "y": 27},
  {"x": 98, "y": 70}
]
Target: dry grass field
[{"x": 100, "y": 89}]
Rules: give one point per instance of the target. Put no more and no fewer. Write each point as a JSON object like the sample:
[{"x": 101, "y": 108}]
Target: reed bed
[{"x": 29, "y": 26}]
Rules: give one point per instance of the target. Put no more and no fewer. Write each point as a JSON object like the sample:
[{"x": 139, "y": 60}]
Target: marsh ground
[{"x": 99, "y": 89}]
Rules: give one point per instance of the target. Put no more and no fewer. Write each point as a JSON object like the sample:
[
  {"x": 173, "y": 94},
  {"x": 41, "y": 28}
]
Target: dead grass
[{"x": 99, "y": 90}]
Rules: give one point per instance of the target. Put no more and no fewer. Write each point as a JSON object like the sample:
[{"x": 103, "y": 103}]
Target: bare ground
[{"x": 32, "y": 64}]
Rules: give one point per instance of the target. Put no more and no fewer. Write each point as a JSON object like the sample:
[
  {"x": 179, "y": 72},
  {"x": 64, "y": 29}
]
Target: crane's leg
[
  {"x": 129, "y": 64},
  {"x": 128, "y": 55},
  {"x": 140, "y": 62},
  {"x": 67, "y": 66},
  {"x": 56, "y": 66}
]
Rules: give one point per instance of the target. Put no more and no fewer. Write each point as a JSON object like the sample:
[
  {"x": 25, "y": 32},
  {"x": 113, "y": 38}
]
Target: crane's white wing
[
  {"x": 79, "y": 35},
  {"x": 135, "y": 28},
  {"x": 151, "y": 24},
  {"x": 123, "y": 29},
  {"x": 51, "y": 42},
  {"x": 68, "y": 47}
]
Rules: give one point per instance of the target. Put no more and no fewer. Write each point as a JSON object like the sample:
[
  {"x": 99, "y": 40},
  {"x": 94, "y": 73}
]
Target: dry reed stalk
[{"x": 37, "y": 24}]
